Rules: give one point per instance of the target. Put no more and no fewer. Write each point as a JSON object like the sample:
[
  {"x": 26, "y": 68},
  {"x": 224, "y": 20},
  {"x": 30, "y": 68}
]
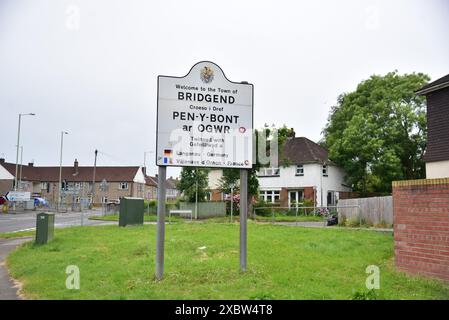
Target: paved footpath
[{"x": 7, "y": 289}]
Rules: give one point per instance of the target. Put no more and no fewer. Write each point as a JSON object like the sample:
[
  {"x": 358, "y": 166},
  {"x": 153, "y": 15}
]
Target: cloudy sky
[{"x": 90, "y": 67}]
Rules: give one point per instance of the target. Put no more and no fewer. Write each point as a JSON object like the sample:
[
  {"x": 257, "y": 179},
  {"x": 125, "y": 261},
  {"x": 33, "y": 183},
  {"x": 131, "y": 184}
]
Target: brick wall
[{"x": 421, "y": 226}]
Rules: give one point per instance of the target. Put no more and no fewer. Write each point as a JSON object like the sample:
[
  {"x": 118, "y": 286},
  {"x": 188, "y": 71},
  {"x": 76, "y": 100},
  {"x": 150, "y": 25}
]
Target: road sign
[
  {"x": 204, "y": 120},
  {"x": 18, "y": 196}
]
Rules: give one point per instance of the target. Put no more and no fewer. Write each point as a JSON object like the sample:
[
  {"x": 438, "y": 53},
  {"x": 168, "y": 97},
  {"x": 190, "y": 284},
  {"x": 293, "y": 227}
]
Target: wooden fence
[{"x": 375, "y": 210}]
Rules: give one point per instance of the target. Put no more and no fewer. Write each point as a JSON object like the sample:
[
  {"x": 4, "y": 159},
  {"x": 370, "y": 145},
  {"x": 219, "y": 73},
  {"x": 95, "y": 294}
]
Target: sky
[{"x": 90, "y": 67}]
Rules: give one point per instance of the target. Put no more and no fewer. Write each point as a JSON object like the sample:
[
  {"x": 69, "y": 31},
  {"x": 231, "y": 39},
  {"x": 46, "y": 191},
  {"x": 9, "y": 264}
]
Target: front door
[{"x": 295, "y": 197}]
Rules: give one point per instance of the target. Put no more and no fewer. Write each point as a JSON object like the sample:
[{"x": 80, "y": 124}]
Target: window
[
  {"x": 104, "y": 199},
  {"x": 77, "y": 199},
  {"x": 123, "y": 186},
  {"x": 325, "y": 170},
  {"x": 270, "y": 196},
  {"x": 331, "y": 198},
  {"x": 299, "y": 170},
  {"x": 45, "y": 186},
  {"x": 269, "y": 172}
]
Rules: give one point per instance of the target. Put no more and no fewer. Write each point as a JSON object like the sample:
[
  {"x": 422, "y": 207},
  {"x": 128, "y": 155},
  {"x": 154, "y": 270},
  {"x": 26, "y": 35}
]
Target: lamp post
[
  {"x": 60, "y": 169},
  {"x": 18, "y": 143}
]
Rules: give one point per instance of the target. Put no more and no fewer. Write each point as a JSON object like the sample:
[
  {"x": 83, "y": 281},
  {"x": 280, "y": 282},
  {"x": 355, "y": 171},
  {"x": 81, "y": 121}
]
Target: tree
[
  {"x": 232, "y": 176},
  {"x": 188, "y": 183},
  {"x": 378, "y": 132}
]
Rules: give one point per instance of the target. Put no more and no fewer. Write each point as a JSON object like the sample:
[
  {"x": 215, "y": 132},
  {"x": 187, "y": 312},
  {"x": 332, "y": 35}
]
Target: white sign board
[
  {"x": 204, "y": 120},
  {"x": 18, "y": 196}
]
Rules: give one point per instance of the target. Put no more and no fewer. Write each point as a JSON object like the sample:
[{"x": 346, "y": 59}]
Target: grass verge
[{"x": 202, "y": 262}]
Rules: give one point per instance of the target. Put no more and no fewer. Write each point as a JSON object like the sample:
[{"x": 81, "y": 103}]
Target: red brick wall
[{"x": 421, "y": 226}]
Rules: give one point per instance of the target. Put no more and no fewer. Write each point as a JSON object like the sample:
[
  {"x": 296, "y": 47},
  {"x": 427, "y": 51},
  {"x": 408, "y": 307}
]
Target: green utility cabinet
[
  {"x": 131, "y": 211},
  {"x": 45, "y": 227}
]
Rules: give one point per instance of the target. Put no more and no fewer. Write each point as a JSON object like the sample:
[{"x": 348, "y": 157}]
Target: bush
[
  {"x": 367, "y": 295},
  {"x": 267, "y": 211}
]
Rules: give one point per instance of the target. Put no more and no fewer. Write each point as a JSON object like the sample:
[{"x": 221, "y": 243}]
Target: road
[{"x": 14, "y": 222}]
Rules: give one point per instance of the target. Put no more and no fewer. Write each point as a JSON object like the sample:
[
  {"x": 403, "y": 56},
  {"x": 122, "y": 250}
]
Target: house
[
  {"x": 111, "y": 183},
  {"x": 437, "y": 152},
  {"x": 310, "y": 175},
  {"x": 171, "y": 191}
]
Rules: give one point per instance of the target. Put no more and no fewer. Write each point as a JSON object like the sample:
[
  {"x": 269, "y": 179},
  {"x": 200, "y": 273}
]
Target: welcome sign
[{"x": 204, "y": 120}]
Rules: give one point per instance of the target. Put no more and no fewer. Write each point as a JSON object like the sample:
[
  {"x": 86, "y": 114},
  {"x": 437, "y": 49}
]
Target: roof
[
  {"x": 51, "y": 174},
  {"x": 435, "y": 85},
  {"x": 302, "y": 150},
  {"x": 170, "y": 183}
]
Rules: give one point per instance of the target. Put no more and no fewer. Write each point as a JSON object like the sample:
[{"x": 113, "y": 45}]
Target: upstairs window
[
  {"x": 299, "y": 170},
  {"x": 269, "y": 172},
  {"x": 123, "y": 186},
  {"x": 325, "y": 170}
]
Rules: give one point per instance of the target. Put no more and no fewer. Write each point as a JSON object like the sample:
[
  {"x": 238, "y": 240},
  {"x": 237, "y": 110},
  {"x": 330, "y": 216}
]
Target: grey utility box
[
  {"x": 45, "y": 227},
  {"x": 131, "y": 211}
]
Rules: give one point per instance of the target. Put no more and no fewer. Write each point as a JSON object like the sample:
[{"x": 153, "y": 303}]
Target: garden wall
[
  {"x": 421, "y": 226},
  {"x": 375, "y": 210}
]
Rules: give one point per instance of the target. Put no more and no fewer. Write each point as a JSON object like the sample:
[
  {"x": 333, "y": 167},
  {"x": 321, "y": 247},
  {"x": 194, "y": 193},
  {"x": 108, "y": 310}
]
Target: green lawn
[
  {"x": 284, "y": 262},
  {"x": 146, "y": 218}
]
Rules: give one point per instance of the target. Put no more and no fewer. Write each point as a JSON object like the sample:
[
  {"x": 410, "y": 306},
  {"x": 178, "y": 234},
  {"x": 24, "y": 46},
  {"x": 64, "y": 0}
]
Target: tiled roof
[
  {"x": 170, "y": 183},
  {"x": 435, "y": 85},
  {"x": 51, "y": 174},
  {"x": 302, "y": 150}
]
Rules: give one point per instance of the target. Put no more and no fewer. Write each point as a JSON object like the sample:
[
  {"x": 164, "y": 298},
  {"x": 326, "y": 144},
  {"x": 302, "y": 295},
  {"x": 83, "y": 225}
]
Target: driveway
[{"x": 8, "y": 290}]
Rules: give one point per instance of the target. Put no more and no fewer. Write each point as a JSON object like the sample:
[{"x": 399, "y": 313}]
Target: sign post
[
  {"x": 243, "y": 216},
  {"x": 203, "y": 120},
  {"x": 160, "y": 241}
]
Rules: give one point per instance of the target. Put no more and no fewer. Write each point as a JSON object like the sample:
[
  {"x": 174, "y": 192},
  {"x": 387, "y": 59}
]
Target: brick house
[
  {"x": 437, "y": 152},
  {"x": 309, "y": 175},
  {"x": 111, "y": 183},
  {"x": 171, "y": 191}
]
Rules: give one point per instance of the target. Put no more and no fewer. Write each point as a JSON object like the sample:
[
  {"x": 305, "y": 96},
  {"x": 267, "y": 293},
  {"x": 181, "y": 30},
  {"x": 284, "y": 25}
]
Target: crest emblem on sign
[{"x": 207, "y": 74}]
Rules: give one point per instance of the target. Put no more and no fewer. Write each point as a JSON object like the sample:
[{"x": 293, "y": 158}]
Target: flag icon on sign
[{"x": 168, "y": 156}]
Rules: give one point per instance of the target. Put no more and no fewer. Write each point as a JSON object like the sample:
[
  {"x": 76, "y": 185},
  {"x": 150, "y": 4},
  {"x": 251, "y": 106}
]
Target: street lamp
[
  {"x": 18, "y": 143},
  {"x": 60, "y": 169}
]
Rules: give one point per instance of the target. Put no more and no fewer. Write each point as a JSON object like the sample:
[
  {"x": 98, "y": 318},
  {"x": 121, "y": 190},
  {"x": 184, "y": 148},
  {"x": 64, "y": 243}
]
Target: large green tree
[
  {"x": 193, "y": 179},
  {"x": 378, "y": 132}
]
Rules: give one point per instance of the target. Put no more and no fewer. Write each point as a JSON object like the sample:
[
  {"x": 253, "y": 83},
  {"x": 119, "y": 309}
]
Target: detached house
[
  {"x": 437, "y": 152},
  {"x": 309, "y": 175}
]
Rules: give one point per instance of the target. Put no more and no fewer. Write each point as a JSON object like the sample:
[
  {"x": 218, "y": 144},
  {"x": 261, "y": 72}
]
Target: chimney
[
  {"x": 291, "y": 134},
  {"x": 30, "y": 164},
  {"x": 75, "y": 167},
  {"x": 2, "y": 160}
]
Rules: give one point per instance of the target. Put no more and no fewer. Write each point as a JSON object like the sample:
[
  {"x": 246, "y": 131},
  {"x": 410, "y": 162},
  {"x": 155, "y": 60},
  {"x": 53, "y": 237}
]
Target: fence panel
[
  {"x": 375, "y": 210},
  {"x": 206, "y": 209}
]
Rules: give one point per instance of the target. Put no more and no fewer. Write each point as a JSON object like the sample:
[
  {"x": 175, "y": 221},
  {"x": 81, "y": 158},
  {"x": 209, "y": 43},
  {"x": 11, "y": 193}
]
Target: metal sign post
[
  {"x": 243, "y": 216},
  {"x": 160, "y": 222},
  {"x": 204, "y": 120}
]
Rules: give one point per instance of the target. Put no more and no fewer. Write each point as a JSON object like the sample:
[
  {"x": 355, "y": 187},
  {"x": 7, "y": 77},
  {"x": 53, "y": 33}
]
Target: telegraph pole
[
  {"x": 60, "y": 170},
  {"x": 93, "y": 179}
]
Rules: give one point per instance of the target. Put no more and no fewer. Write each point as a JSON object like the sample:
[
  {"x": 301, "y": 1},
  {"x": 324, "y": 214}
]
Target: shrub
[{"x": 366, "y": 295}]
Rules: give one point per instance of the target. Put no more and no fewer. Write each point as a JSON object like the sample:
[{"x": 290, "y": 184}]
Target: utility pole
[
  {"x": 60, "y": 170},
  {"x": 93, "y": 179}
]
